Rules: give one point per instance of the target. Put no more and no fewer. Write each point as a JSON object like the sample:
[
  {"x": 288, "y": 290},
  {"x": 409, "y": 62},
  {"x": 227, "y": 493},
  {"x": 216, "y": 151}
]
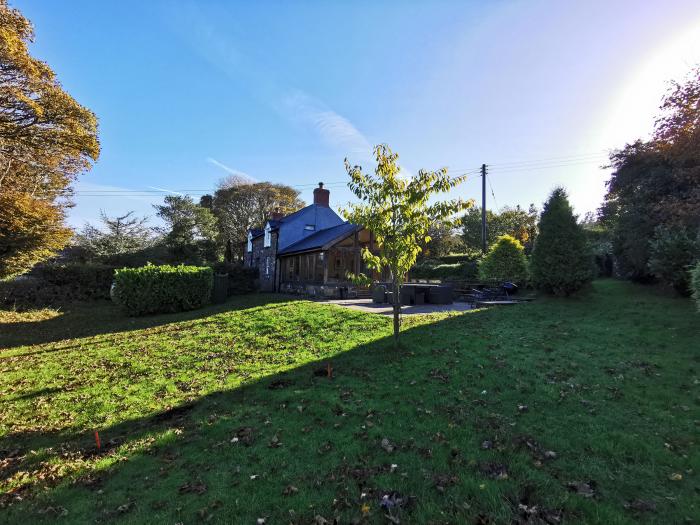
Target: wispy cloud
[
  {"x": 296, "y": 105},
  {"x": 165, "y": 190},
  {"x": 231, "y": 171},
  {"x": 333, "y": 128}
]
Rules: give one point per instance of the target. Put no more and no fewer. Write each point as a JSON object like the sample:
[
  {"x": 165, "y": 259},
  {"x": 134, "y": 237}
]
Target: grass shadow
[{"x": 103, "y": 317}]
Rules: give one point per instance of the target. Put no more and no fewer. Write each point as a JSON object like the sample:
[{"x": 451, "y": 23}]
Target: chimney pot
[
  {"x": 321, "y": 196},
  {"x": 276, "y": 214}
]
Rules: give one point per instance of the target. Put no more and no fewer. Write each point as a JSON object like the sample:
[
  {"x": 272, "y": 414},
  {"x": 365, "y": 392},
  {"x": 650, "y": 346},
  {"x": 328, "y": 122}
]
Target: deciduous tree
[
  {"x": 397, "y": 210},
  {"x": 242, "y": 206},
  {"x": 46, "y": 140}
]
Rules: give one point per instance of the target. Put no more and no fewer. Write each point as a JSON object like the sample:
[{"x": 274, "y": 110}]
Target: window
[
  {"x": 250, "y": 242},
  {"x": 310, "y": 227},
  {"x": 268, "y": 236},
  {"x": 267, "y": 267}
]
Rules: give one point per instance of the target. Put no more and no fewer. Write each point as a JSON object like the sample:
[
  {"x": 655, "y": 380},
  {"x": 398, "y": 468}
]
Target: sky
[{"x": 189, "y": 92}]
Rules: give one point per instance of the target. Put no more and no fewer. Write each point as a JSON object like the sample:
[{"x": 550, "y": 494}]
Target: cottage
[{"x": 310, "y": 251}]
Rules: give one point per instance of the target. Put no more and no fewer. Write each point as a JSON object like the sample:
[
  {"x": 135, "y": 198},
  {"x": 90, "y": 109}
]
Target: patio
[{"x": 367, "y": 305}]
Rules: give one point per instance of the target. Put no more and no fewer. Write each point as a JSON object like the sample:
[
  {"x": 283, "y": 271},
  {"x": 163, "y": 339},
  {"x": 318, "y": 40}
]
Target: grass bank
[{"x": 579, "y": 410}]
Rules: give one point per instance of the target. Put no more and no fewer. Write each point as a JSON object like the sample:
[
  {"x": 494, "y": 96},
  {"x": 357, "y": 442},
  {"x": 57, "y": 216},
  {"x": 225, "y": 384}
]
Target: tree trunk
[{"x": 397, "y": 311}]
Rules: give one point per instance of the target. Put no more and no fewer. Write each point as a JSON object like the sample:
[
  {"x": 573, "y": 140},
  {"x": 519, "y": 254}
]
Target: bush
[
  {"x": 240, "y": 279},
  {"x": 505, "y": 261},
  {"x": 58, "y": 284},
  {"x": 454, "y": 258},
  {"x": 695, "y": 283},
  {"x": 672, "y": 253},
  {"x": 458, "y": 271},
  {"x": 157, "y": 289},
  {"x": 561, "y": 259}
]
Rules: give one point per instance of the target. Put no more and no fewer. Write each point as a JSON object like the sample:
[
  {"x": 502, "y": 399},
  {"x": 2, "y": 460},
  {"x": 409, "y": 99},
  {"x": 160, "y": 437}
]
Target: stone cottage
[{"x": 310, "y": 251}]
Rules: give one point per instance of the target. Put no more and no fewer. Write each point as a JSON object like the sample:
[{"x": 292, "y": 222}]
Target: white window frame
[
  {"x": 250, "y": 242},
  {"x": 268, "y": 236}
]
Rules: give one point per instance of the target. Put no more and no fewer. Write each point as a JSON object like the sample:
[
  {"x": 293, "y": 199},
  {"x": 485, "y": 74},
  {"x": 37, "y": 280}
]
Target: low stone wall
[{"x": 319, "y": 291}]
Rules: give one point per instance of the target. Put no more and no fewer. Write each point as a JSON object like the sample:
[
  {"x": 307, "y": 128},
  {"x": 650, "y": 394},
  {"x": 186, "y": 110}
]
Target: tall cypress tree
[{"x": 561, "y": 260}]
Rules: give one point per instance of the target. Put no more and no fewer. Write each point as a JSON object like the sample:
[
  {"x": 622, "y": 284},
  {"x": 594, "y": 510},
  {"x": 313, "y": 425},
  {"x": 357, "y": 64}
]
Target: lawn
[{"x": 583, "y": 410}]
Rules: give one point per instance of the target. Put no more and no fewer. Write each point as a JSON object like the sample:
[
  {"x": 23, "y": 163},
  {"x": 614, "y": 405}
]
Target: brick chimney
[
  {"x": 321, "y": 196},
  {"x": 276, "y": 214}
]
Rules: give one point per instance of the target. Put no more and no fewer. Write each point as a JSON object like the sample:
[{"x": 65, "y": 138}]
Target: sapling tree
[{"x": 397, "y": 209}]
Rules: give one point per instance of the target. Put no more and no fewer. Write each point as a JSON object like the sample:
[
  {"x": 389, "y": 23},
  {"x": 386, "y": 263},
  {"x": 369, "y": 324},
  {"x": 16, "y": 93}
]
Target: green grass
[{"x": 583, "y": 410}]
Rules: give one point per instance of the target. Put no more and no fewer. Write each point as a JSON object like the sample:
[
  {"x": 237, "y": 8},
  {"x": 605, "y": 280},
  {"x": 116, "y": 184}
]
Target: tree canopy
[
  {"x": 518, "y": 223},
  {"x": 120, "y": 235},
  {"x": 241, "y": 206},
  {"x": 46, "y": 140},
  {"x": 190, "y": 232},
  {"x": 398, "y": 211},
  {"x": 656, "y": 183}
]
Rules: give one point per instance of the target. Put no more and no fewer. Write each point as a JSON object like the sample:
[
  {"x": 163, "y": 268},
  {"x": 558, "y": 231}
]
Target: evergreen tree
[
  {"x": 505, "y": 261},
  {"x": 561, "y": 260}
]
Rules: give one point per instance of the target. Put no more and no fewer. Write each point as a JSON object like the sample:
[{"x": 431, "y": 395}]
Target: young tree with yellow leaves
[{"x": 396, "y": 209}]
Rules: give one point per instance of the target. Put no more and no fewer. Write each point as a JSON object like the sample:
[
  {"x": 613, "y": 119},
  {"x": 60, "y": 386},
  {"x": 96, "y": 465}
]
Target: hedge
[
  {"x": 57, "y": 284},
  {"x": 459, "y": 271},
  {"x": 240, "y": 279},
  {"x": 160, "y": 289}
]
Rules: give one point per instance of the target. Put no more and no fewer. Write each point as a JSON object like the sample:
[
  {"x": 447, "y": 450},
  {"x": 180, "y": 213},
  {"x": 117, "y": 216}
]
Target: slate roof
[{"x": 321, "y": 239}]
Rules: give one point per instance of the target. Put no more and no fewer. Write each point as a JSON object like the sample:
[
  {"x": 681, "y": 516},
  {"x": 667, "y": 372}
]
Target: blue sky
[{"x": 187, "y": 92}]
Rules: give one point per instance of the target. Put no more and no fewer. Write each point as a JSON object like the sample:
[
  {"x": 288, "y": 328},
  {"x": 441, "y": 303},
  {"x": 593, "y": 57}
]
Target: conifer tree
[{"x": 561, "y": 262}]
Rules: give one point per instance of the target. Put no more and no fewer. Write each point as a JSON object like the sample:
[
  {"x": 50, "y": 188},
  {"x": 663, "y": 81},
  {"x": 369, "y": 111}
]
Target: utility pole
[{"x": 483, "y": 208}]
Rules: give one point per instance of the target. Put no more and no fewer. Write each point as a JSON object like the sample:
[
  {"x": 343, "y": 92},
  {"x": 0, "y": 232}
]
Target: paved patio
[{"x": 366, "y": 305}]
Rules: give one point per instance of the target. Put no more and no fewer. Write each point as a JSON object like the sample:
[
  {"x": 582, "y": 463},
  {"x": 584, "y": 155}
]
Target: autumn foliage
[{"x": 46, "y": 140}]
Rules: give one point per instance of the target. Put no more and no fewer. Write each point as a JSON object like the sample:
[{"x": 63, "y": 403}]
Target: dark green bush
[
  {"x": 505, "y": 261},
  {"x": 158, "y": 289},
  {"x": 456, "y": 272},
  {"x": 695, "y": 283},
  {"x": 562, "y": 262},
  {"x": 671, "y": 254},
  {"x": 240, "y": 279},
  {"x": 58, "y": 284},
  {"x": 454, "y": 258}
]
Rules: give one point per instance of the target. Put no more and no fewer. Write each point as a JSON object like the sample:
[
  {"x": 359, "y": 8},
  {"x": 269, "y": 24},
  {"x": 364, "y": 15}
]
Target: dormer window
[
  {"x": 250, "y": 242},
  {"x": 268, "y": 236},
  {"x": 310, "y": 227}
]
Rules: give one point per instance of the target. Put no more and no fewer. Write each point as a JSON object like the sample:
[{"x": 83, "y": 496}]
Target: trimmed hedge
[
  {"x": 162, "y": 289},
  {"x": 460, "y": 271},
  {"x": 455, "y": 258},
  {"x": 57, "y": 284}
]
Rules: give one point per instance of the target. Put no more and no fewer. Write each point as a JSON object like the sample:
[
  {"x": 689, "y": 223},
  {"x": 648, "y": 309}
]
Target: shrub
[
  {"x": 561, "y": 260},
  {"x": 505, "y": 261},
  {"x": 156, "y": 289},
  {"x": 695, "y": 283},
  {"x": 240, "y": 279},
  {"x": 672, "y": 253},
  {"x": 458, "y": 271},
  {"x": 58, "y": 284},
  {"x": 454, "y": 258}
]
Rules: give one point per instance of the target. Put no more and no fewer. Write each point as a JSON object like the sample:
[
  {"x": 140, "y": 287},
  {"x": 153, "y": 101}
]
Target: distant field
[{"x": 578, "y": 410}]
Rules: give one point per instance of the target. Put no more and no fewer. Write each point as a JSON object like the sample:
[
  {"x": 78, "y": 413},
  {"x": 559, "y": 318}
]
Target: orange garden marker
[{"x": 97, "y": 440}]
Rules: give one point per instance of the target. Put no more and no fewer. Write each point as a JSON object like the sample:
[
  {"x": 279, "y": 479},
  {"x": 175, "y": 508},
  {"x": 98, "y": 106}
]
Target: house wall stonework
[{"x": 265, "y": 260}]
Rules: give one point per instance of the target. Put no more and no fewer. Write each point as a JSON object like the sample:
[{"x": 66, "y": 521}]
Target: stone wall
[{"x": 265, "y": 260}]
